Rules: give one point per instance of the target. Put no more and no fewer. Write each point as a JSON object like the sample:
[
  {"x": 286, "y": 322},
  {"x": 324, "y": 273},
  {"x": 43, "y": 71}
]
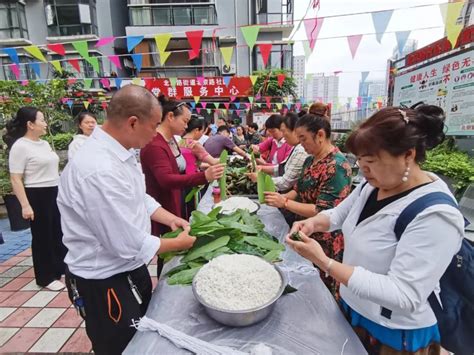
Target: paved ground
[{"x": 33, "y": 319}]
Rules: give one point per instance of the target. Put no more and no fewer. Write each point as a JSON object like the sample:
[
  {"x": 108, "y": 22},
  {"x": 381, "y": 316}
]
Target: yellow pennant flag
[
  {"x": 196, "y": 99},
  {"x": 227, "y": 54},
  {"x": 164, "y": 57},
  {"x": 162, "y": 41},
  {"x": 35, "y": 52},
  {"x": 453, "y": 29},
  {"x": 279, "y": 105},
  {"x": 57, "y": 65},
  {"x": 253, "y": 79},
  {"x": 86, "y": 104},
  {"x": 137, "y": 81}
]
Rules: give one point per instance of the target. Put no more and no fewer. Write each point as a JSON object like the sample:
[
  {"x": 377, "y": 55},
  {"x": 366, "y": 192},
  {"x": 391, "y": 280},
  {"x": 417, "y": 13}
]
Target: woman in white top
[
  {"x": 286, "y": 173},
  {"x": 385, "y": 283},
  {"x": 86, "y": 122},
  {"x": 34, "y": 174}
]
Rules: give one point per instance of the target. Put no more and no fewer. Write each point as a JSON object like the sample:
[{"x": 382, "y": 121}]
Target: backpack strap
[{"x": 409, "y": 213}]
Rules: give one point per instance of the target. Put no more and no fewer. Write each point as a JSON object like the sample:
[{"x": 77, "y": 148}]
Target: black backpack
[{"x": 456, "y": 316}]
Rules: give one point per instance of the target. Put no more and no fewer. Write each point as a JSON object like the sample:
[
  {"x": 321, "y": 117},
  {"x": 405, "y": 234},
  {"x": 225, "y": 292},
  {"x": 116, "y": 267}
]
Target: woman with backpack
[{"x": 385, "y": 280}]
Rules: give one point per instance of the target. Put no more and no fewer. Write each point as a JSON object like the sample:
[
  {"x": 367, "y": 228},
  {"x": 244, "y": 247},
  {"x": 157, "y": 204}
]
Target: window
[
  {"x": 12, "y": 20},
  {"x": 26, "y": 73},
  {"x": 152, "y": 15},
  {"x": 87, "y": 71},
  {"x": 280, "y": 57},
  {"x": 71, "y": 17}
]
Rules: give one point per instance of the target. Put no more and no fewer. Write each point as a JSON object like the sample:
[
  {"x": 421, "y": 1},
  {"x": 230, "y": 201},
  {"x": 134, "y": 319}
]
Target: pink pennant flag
[
  {"x": 354, "y": 42},
  {"x": 24, "y": 82},
  {"x": 203, "y": 104},
  {"x": 71, "y": 81},
  {"x": 313, "y": 26},
  {"x": 105, "y": 83},
  {"x": 247, "y": 105},
  {"x": 298, "y": 106},
  {"x": 227, "y": 104},
  {"x": 232, "y": 98},
  {"x": 267, "y": 99},
  {"x": 103, "y": 41},
  {"x": 15, "y": 68},
  {"x": 64, "y": 100},
  {"x": 258, "y": 96},
  {"x": 198, "y": 110},
  {"x": 200, "y": 80},
  {"x": 237, "y": 112},
  {"x": 115, "y": 59}
]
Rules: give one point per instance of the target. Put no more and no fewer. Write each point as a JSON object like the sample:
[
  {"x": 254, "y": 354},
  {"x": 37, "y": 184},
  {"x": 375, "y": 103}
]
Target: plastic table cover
[{"x": 304, "y": 322}]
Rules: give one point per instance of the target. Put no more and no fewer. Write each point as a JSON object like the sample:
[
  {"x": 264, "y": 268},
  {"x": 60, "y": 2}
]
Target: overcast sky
[{"x": 331, "y": 55}]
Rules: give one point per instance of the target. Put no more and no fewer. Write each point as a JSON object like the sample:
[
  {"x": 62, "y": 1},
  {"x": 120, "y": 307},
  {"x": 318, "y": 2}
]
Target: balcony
[
  {"x": 172, "y": 15},
  {"x": 275, "y": 16},
  {"x": 13, "y": 28}
]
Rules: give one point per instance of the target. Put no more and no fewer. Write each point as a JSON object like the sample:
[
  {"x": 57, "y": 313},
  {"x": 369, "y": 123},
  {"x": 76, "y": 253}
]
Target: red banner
[{"x": 190, "y": 87}]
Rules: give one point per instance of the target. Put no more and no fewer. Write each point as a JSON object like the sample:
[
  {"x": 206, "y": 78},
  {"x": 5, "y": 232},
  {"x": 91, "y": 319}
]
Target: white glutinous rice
[
  {"x": 237, "y": 282},
  {"x": 233, "y": 203}
]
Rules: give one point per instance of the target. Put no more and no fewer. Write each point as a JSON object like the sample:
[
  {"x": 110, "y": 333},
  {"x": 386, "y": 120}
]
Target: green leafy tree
[{"x": 267, "y": 83}]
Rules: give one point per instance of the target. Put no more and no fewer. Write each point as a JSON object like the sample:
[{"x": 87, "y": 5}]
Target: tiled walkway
[{"x": 33, "y": 319}]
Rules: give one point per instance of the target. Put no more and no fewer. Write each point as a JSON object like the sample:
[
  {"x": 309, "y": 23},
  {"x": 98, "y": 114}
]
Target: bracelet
[
  {"x": 286, "y": 203},
  {"x": 328, "y": 268}
]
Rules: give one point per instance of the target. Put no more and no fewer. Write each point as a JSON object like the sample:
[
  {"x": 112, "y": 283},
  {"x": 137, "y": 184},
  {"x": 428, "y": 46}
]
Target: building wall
[
  {"x": 324, "y": 88},
  {"x": 299, "y": 74}
]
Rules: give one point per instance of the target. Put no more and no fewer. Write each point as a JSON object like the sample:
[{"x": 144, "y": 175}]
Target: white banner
[{"x": 449, "y": 84}]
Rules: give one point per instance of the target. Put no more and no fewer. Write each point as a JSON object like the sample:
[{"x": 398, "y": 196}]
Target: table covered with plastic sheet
[{"x": 304, "y": 322}]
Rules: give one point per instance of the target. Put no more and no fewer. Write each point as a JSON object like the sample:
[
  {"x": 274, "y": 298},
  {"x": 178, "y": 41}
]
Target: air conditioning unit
[{"x": 226, "y": 69}]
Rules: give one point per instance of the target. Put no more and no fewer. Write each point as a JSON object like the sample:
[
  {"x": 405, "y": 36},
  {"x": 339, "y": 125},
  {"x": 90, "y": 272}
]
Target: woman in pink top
[
  {"x": 276, "y": 146},
  {"x": 194, "y": 153}
]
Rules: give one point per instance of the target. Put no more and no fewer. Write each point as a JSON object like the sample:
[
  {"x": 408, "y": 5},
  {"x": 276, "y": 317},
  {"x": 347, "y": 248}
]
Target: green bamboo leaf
[
  {"x": 273, "y": 256},
  {"x": 222, "y": 181},
  {"x": 261, "y": 186},
  {"x": 199, "y": 252},
  {"x": 184, "y": 277},
  {"x": 172, "y": 234},
  {"x": 264, "y": 243}
]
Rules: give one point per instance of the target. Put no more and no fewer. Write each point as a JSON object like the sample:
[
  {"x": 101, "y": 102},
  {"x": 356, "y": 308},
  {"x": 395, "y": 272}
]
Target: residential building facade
[
  {"x": 299, "y": 74},
  {"x": 323, "y": 88}
]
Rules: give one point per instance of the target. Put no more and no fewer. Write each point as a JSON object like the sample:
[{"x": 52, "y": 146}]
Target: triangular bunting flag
[
  {"x": 195, "y": 40},
  {"x": 105, "y": 83},
  {"x": 137, "y": 81},
  {"x": 251, "y": 98},
  {"x": 237, "y": 105},
  {"x": 193, "y": 105},
  {"x": 104, "y": 41},
  {"x": 253, "y": 79},
  {"x": 13, "y": 54},
  {"x": 57, "y": 48},
  {"x": 87, "y": 84},
  {"x": 173, "y": 81},
  {"x": 57, "y": 65},
  {"x": 288, "y": 105},
  {"x": 203, "y": 104},
  {"x": 265, "y": 49},
  {"x": 216, "y": 105},
  {"x": 237, "y": 112},
  {"x": 118, "y": 83},
  {"x": 227, "y": 54},
  {"x": 94, "y": 61},
  {"x": 86, "y": 104},
  {"x": 248, "y": 105},
  {"x": 162, "y": 41},
  {"x": 36, "y": 68},
  {"x": 75, "y": 64},
  {"x": 208, "y": 111},
  {"x": 279, "y": 105},
  {"x": 164, "y": 57},
  {"x": 82, "y": 48},
  {"x": 35, "y": 52},
  {"x": 402, "y": 38},
  {"x": 232, "y": 98},
  {"x": 354, "y": 42},
  {"x": 281, "y": 78},
  {"x": 250, "y": 34},
  {"x": 298, "y": 106},
  {"x": 70, "y": 103},
  {"x": 133, "y": 41},
  {"x": 313, "y": 27},
  {"x": 137, "y": 60},
  {"x": 15, "y": 68},
  {"x": 115, "y": 60},
  {"x": 104, "y": 105},
  {"x": 226, "y": 105},
  {"x": 307, "y": 50},
  {"x": 198, "y": 110},
  {"x": 226, "y": 80},
  {"x": 200, "y": 80},
  {"x": 453, "y": 29},
  {"x": 381, "y": 20},
  {"x": 196, "y": 99},
  {"x": 365, "y": 74}
]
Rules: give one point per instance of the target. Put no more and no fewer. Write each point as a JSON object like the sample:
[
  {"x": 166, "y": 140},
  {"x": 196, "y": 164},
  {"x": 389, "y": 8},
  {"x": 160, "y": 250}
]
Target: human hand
[
  {"x": 214, "y": 172},
  {"x": 275, "y": 199},
  {"x": 309, "y": 249},
  {"x": 184, "y": 241},
  {"x": 306, "y": 227},
  {"x": 178, "y": 223},
  {"x": 252, "y": 176},
  {"x": 255, "y": 148},
  {"x": 27, "y": 213}
]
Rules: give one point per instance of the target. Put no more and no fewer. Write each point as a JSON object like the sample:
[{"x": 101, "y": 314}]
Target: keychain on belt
[
  {"x": 134, "y": 289},
  {"x": 77, "y": 300}
]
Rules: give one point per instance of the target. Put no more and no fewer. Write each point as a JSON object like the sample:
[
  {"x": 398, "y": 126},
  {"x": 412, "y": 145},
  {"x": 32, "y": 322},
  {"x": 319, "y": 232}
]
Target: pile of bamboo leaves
[{"x": 237, "y": 233}]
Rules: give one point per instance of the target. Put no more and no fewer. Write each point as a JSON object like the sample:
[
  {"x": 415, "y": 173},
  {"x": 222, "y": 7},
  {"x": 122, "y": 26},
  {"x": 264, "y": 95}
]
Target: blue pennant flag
[
  {"x": 36, "y": 68},
  {"x": 133, "y": 41},
  {"x": 402, "y": 38},
  {"x": 227, "y": 80},
  {"x": 237, "y": 105},
  {"x": 193, "y": 105},
  {"x": 12, "y": 53},
  {"x": 137, "y": 60},
  {"x": 118, "y": 83},
  {"x": 69, "y": 103}
]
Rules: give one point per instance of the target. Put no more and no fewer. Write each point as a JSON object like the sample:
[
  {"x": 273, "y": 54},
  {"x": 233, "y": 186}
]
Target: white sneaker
[{"x": 56, "y": 286}]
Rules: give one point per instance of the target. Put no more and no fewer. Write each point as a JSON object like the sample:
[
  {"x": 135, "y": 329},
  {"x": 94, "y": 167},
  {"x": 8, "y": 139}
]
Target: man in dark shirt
[
  {"x": 253, "y": 136},
  {"x": 216, "y": 144}
]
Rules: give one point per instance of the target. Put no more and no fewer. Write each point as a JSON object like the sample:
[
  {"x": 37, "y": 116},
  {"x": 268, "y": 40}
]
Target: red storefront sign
[
  {"x": 439, "y": 47},
  {"x": 211, "y": 87}
]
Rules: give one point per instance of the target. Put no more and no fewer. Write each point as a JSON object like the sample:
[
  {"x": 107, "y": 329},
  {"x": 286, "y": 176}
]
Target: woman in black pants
[{"x": 34, "y": 174}]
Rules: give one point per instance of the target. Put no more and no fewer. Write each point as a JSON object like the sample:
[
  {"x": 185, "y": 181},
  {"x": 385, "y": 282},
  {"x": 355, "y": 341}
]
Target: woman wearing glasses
[{"x": 164, "y": 165}]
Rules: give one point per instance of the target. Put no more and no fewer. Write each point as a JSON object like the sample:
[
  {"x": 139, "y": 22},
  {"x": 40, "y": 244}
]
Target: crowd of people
[{"x": 99, "y": 222}]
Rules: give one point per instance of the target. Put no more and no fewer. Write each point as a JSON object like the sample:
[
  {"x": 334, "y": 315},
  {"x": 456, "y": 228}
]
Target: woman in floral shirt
[{"x": 324, "y": 182}]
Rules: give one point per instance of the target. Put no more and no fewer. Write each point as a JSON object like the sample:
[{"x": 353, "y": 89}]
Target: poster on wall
[{"x": 449, "y": 84}]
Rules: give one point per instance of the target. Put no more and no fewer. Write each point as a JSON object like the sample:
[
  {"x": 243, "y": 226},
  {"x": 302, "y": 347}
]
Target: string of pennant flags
[{"x": 313, "y": 26}]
